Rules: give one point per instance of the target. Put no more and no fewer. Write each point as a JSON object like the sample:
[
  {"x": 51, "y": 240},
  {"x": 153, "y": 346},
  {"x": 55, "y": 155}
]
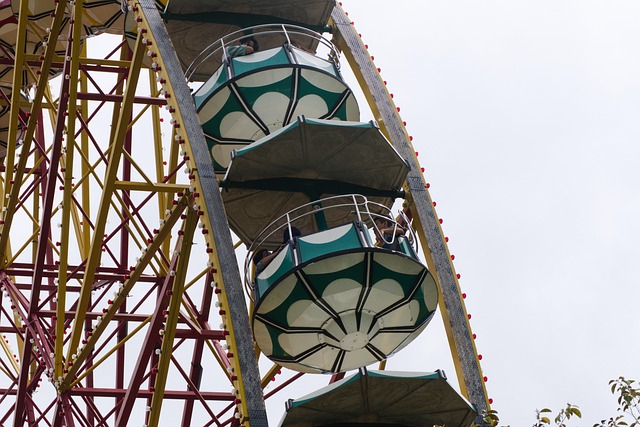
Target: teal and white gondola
[
  {"x": 252, "y": 96},
  {"x": 332, "y": 301}
]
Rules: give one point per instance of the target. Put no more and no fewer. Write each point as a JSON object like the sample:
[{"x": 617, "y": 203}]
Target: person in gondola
[
  {"x": 247, "y": 46},
  {"x": 263, "y": 257},
  {"x": 387, "y": 233},
  {"x": 289, "y": 235}
]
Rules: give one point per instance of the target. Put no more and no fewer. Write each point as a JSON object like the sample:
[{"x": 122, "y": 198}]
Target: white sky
[{"x": 525, "y": 114}]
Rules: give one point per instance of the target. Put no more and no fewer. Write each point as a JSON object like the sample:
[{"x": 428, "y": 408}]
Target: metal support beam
[
  {"x": 428, "y": 227},
  {"x": 70, "y": 88},
  {"x": 43, "y": 245},
  {"x": 222, "y": 257}
]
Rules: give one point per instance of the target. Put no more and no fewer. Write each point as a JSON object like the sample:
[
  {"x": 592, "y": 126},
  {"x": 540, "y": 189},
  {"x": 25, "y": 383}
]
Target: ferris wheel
[{"x": 184, "y": 233}]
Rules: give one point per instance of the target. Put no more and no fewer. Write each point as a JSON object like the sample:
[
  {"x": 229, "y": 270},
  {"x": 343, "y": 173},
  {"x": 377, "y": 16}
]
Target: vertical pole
[
  {"x": 214, "y": 217},
  {"x": 438, "y": 258}
]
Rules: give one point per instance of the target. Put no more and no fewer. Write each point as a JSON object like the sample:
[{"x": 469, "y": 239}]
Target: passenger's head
[
  {"x": 257, "y": 257},
  {"x": 250, "y": 41},
  {"x": 294, "y": 233},
  {"x": 382, "y": 222}
]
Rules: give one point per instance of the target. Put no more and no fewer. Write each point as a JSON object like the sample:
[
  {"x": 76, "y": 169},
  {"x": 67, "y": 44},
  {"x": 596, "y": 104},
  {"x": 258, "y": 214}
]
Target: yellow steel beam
[
  {"x": 81, "y": 227},
  {"x": 34, "y": 237},
  {"x": 166, "y": 349},
  {"x": 173, "y": 164},
  {"x": 7, "y": 351},
  {"x": 157, "y": 146},
  {"x": 5, "y": 249},
  {"x": 35, "y": 229},
  {"x": 196, "y": 278},
  {"x": 16, "y": 97},
  {"x": 84, "y": 167},
  {"x": 266, "y": 379},
  {"x": 78, "y": 227},
  {"x": 117, "y": 146},
  {"x": 137, "y": 167},
  {"x": 116, "y": 63},
  {"x": 150, "y": 186}
]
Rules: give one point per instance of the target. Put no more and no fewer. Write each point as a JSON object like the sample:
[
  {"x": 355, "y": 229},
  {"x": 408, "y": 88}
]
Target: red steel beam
[
  {"x": 86, "y": 96},
  {"x": 152, "y": 339},
  {"x": 195, "y": 374}
]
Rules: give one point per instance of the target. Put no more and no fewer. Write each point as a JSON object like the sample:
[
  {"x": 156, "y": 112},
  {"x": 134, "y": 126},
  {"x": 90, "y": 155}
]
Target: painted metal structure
[
  {"x": 122, "y": 301},
  {"x": 464, "y": 352},
  {"x": 251, "y": 96},
  {"x": 333, "y": 301}
]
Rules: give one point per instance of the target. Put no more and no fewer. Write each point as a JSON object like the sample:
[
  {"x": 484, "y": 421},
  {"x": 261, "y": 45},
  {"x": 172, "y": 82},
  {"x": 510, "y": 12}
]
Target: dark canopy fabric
[
  {"x": 382, "y": 398},
  {"x": 195, "y": 24},
  {"x": 305, "y": 161}
]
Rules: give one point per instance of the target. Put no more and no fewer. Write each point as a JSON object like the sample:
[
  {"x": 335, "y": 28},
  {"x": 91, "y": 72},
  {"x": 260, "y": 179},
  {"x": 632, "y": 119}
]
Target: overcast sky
[{"x": 525, "y": 115}]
